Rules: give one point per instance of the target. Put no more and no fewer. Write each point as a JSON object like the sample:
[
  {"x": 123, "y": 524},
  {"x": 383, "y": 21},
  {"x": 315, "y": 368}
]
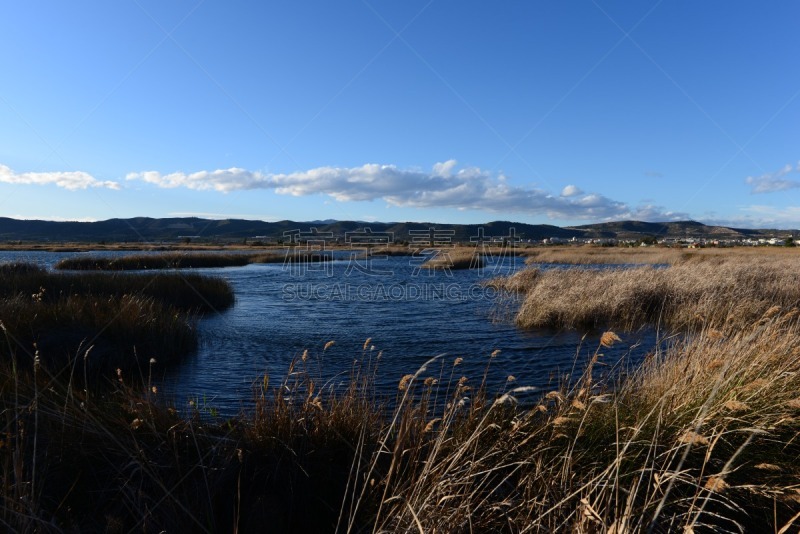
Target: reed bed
[
  {"x": 293, "y": 256},
  {"x": 94, "y": 323},
  {"x": 454, "y": 259},
  {"x": 687, "y": 443},
  {"x": 729, "y": 291},
  {"x": 129, "y": 246},
  {"x": 188, "y": 260},
  {"x": 188, "y": 291},
  {"x": 596, "y": 255},
  {"x": 171, "y": 260},
  {"x": 394, "y": 251},
  {"x": 123, "y": 332},
  {"x": 660, "y": 255},
  {"x": 701, "y": 437}
]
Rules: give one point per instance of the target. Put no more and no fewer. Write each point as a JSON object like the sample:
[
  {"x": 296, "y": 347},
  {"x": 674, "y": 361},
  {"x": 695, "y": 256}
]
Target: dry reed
[
  {"x": 728, "y": 291},
  {"x": 169, "y": 260},
  {"x": 660, "y": 452},
  {"x": 597, "y": 255},
  {"x": 188, "y": 260},
  {"x": 453, "y": 259},
  {"x": 125, "y": 318},
  {"x": 702, "y": 436}
]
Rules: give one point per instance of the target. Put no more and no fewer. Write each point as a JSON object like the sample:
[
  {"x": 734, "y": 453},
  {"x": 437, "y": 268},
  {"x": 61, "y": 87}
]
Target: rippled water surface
[{"x": 409, "y": 315}]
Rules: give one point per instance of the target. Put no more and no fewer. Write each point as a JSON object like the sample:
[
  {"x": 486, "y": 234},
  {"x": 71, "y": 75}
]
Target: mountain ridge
[{"x": 148, "y": 229}]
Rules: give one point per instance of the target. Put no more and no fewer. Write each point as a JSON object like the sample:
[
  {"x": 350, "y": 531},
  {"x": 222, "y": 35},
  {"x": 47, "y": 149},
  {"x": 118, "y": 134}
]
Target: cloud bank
[
  {"x": 775, "y": 181},
  {"x": 757, "y": 216},
  {"x": 68, "y": 180},
  {"x": 444, "y": 186}
]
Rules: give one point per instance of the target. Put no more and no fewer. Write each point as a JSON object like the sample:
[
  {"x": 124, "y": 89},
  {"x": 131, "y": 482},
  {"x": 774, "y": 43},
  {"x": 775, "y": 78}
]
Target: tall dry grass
[
  {"x": 124, "y": 332},
  {"x": 725, "y": 290},
  {"x": 687, "y": 443},
  {"x": 167, "y": 260},
  {"x": 393, "y": 250},
  {"x": 188, "y": 260},
  {"x": 126, "y": 318},
  {"x": 294, "y": 256},
  {"x": 597, "y": 255},
  {"x": 187, "y": 291},
  {"x": 87, "y": 459},
  {"x": 702, "y": 437}
]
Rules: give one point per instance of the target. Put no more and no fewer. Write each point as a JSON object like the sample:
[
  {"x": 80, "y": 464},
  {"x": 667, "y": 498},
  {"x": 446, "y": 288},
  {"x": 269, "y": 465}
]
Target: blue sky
[{"x": 443, "y": 111}]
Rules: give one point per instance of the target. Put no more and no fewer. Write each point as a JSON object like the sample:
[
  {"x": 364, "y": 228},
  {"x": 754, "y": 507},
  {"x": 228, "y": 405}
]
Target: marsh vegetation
[
  {"x": 455, "y": 259},
  {"x": 102, "y": 321},
  {"x": 187, "y": 260},
  {"x": 727, "y": 291},
  {"x": 650, "y": 255},
  {"x": 701, "y": 436}
]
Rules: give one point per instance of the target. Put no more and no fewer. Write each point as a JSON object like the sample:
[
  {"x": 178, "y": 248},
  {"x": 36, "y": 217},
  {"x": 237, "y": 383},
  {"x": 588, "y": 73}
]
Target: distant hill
[
  {"x": 171, "y": 229},
  {"x": 639, "y": 229},
  {"x": 146, "y": 229}
]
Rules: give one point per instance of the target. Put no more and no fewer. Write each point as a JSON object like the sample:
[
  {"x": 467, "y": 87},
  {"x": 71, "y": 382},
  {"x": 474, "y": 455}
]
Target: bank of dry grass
[
  {"x": 597, "y": 255},
  {"x": 390, "y": 251},
  {"x": 126, "y": 319},
  {"x": 188, "y": 291},
  {"x": 301, "y": 256},
  {"x": 727, "y": 290},
  {"x": 455, "y": 259},
  {"x": 701, "y": 437},
  {"x": 132, "y": 246},
  {"x": 188, "y": 260},
  {"x": 168, "y": 260}
]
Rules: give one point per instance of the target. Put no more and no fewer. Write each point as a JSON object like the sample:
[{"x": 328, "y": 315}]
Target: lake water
[{"x": 409, "y": 315}]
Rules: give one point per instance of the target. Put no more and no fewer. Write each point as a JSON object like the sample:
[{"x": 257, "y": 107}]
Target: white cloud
[
  {"x": 52, "y": 218},
  {"x": 758, "y": 216},
  {"x": 222, "y": 216},
  {"x": 445, "y": 186},
  {"x": 775, "y": 181},
  {"x": 650, "y": 212},
  {"x": 68, "y": 180},
  {"x": 771, "y": 216},
  {"x": 445, "y": 169}
]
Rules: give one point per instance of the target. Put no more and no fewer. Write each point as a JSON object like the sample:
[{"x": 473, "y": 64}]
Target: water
[{"x": 409, "y": 315}]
